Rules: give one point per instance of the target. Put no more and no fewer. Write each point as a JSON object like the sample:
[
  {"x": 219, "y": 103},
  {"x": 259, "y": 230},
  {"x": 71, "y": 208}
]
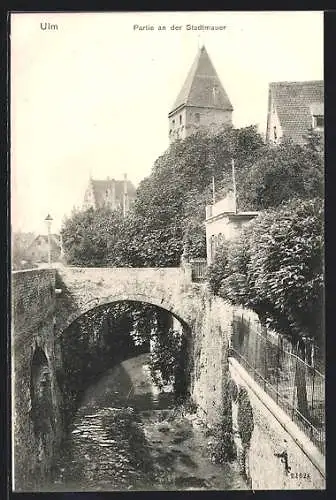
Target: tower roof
[{"x": 202, "y": 86}]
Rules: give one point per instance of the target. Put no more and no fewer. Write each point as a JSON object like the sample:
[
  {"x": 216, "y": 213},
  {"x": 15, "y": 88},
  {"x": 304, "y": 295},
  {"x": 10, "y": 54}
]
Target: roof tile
[
  {"x": 202, "y": 87},
  {"x": 295, "y": 102}
]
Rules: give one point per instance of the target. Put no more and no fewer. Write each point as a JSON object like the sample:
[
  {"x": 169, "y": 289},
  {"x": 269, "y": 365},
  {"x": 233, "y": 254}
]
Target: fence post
[
  {"x": 256, "y": 351},
  {"x": 313, "y": 388},
  {"x": 294, "y": 381},
  {"x": 265, "y": 357},
  {"x": 278, "y": 371}
]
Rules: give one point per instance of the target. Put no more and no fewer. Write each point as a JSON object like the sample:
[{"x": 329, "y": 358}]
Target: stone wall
[
  {"x": 210, "y": 337},
  {"x": 35, "y": 438},
  {"x": 275, "y": 433}
]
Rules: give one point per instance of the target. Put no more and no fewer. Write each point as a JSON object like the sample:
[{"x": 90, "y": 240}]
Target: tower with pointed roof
[{"x": 202, "y": 101}]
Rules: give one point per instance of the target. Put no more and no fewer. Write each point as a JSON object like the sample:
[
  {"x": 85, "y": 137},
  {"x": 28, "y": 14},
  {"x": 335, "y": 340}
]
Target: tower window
[
  {"x": 275, "y": 134},
  {"x": 318, "y": 121},
  {"x": 180, "y": 119}
]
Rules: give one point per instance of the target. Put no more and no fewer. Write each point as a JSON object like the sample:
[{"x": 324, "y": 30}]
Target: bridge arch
[
  {"x": 83, "y": 289},
  {"x": 94, "y": 303}
]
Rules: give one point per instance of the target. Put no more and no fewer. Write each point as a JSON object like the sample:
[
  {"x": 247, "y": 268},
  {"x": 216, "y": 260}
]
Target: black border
[{"x": 330, "y": 100}]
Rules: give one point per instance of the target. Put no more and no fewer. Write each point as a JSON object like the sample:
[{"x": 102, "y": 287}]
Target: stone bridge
[
  {"x": 82, "y": 289},
  {"x": 46, "y": 302}
]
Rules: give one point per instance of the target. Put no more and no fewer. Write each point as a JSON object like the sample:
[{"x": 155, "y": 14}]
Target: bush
[
  {"x": 276, "y": 269},
  {"x": 218, "y": 270}
]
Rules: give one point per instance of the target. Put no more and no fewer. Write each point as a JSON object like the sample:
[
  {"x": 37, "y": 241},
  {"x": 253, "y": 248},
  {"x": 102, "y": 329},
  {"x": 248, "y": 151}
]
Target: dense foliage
[
  {"x": 166, "y": 346},
  {"x": 282, "y": 173},
  {"x": 276, "y": 268},
  {"x": 90, "y": 237},
  {"x": 169, "y": 209},
  {"x": 19, "y": 256},
  {"x": 244, "y": 417},
  {"x": 221, "y": 446}
]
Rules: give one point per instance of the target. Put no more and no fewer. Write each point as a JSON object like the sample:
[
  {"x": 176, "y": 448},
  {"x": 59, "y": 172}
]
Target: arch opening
[
  {"x": 106, "y": 335},
  {"x": 131, "y": 298},
  {"x": 41, "y": 396}
]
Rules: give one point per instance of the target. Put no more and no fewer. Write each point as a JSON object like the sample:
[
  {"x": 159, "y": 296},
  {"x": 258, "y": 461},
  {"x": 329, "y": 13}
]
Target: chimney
[{"x": 125, "y": 200}]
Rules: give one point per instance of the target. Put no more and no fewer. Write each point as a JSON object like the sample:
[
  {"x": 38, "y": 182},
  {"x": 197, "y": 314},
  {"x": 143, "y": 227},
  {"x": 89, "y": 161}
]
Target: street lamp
[{"x": 48, "y": 221}]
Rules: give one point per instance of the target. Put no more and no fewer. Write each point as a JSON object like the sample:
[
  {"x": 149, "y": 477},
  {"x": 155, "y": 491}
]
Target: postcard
[{"x": 167, "y": 180}]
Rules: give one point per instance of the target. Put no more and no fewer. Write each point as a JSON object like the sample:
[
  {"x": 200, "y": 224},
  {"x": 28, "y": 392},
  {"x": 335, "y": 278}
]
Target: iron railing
[
  {"x": 297, "y": 385},
  {"x": 198, "y": 269}
]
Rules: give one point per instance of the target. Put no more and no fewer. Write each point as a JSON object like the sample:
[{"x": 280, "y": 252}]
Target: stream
[{"x": 127, "y": 435}]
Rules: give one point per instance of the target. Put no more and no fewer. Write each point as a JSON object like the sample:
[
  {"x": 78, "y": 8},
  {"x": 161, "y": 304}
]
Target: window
[
  {"x": 180, "y": 119},
  {"x": 275, "y": 134},
  {"x": 170, "y": 131},
  {"x": 173, "y": 122},
  {"x": 197, "y": 117},
  {"x": 318, "y": 121}
]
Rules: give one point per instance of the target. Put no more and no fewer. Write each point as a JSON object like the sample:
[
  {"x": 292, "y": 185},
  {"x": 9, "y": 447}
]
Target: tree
[
  {"x": 276, "y": 269},
  {"x": 90, "y": 237},
  {"x": 281, "y": 173},
  {"x": 20, "y": 244},
  {"x": 169, "y": 210}
]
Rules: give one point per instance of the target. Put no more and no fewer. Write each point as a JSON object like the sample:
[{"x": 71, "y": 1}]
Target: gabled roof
[
  {"x": 198, "y": 89},
  {"x": 295, "y": 103},
  {"x": 54, "y": 240},
  {"x": 99, "y": 188}
]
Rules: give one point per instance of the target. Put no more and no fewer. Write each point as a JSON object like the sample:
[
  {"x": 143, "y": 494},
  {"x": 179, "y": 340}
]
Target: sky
[{"x": 93, "y": 96}]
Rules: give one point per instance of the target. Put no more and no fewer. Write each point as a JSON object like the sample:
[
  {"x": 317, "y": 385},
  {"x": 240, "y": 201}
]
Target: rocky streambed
[{"x": 128, "y": 436}]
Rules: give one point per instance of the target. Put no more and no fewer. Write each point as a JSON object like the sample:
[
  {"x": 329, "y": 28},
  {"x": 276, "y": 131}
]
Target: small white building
[{"x": 223, "y": 222}]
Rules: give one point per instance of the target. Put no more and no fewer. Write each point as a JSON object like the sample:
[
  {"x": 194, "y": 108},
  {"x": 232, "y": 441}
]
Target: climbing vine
[
  {"x": 245, "y": 417},
  {"x": 222, "y": 448},
  {"x": 165, "y": 350}
]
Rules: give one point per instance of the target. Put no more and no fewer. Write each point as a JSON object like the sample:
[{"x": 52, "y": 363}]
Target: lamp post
[{"x": 48, "y": 221}]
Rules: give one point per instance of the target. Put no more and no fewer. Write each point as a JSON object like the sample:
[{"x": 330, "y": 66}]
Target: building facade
[
  {"x": 224, "y": 223},
  {"x": 109, "y": 193},
  {"x": 294, "y": 108},
  {"x": 202, "y": 101}
]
